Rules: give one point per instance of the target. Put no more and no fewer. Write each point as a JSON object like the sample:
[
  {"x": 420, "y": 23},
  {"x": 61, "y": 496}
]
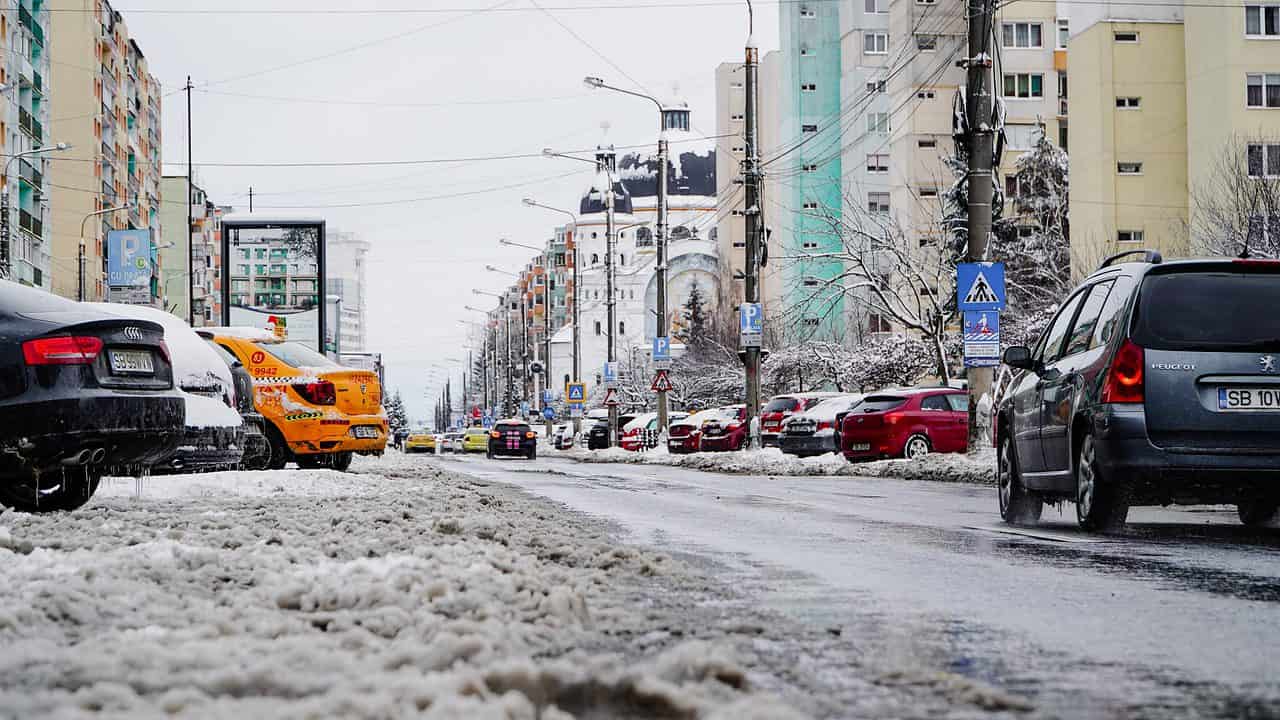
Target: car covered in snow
[
  {"x": 906, "y": 423},
  {"x": 81, "y": 391},
  {"x": 814, "y": 431},
  {"x": 562, "y": 436},
  {"x": 215, "y": 434},
  {"x": 685, "y": 434},
  {"x": 318, "y": 413},
  {"x": 727, "y": 430},
  {"x": 257, "y": 452},
  {"x": 780, "y": 408},
  {"x": 642, "y": 432},
  {"x": 513, "y": 437}
]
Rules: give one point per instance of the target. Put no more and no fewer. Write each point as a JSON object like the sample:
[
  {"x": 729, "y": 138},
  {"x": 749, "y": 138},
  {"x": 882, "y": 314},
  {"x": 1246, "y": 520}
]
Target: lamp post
[
  {"x": 81, "y": 258},
  {"x": 5, "y": 235},
  {"x": 525, "y": 348},
  {"x": 575, "y": 348},
  {"x": 509, "y": 396},
  {"x": 604, "y": 167}
]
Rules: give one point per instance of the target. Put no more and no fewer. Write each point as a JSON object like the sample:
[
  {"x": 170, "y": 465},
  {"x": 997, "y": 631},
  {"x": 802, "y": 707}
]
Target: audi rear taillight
[
  {"x": 317, "y": 393},
  {"x": 1124, "y": 383},
  {"x": 164, "y": 351},
  {"x": 62, "y": 350}
]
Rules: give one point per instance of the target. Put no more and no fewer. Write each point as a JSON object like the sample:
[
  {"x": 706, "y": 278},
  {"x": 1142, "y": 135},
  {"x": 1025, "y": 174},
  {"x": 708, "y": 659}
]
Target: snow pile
[
  {"x": 205, "y": 412},
  {"x": 976, "y": 468},
  {"x": 402, "y": 593}
]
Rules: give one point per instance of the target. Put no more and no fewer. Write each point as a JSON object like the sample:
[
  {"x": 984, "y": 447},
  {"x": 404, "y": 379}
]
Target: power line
[
  {"x": 429, "y": 198},
  {"x": 377, "y": 103},
  {"x": 442, "y": 10}
]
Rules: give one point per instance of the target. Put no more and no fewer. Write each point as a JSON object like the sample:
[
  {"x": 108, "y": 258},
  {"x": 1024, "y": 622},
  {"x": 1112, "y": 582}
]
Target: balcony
[
  {"x": 25, "y": 121},
  {"x": 30, "y": 174},
  {"x": 30, "y": 223},
  {"x": 1062, "y": 107},
  {"x": 37, "y": 82},
  {"x": 29, "y": 22}
]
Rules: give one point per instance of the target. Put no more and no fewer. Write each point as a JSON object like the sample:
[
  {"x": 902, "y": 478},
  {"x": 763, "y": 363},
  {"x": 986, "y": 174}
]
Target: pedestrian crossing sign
[
  {"x": 980, "y": 287},
  {"x": 575, "y": 393}
]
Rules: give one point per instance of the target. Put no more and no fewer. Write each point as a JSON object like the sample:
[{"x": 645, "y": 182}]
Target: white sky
[{"x": 427, "y": 256}]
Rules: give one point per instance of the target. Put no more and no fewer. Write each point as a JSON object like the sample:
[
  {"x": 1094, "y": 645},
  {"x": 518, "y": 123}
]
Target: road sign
[
  {"x": 980, "y": 286},
  {"x": 611, "y": 374},
  {"x": 487, "y": 421},
  {"x": 575, "y": 410},
  {"x": 750, "y": 324},
  {"x": 981, "y": 339},
  {"x": 661, "y": 383},
  {"x": 575, "y": 393},
  {"x": 611, "y": 397},
  {"x": 549, "y": 413},
  {"x": 524, "y": 408},
  {"x": 546, "y": 395}
]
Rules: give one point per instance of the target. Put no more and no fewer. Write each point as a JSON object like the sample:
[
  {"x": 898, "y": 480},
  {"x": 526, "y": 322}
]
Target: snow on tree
[
  {"x": 396, "y": 417},
  {"x": 694, "y": 328},
  {"x": 1236, "y": 208},
  {"x": 1034, "y": 244}
]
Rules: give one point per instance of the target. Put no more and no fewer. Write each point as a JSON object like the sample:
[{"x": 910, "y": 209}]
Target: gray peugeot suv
[{"x": 1156, "y": 383}]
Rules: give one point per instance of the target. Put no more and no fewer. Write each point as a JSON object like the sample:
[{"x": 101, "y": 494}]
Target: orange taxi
[{"x": 318, "y": 413}]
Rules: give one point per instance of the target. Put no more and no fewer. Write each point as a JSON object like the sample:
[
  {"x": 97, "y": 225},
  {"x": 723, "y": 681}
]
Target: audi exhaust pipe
[
  {"x": 79, "y": 458},
  {"x": 99, "y": 454}
]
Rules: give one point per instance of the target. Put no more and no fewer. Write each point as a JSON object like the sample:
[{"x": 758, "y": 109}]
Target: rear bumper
[
  {"x": 1158, "y": 475},
  {"x": 206, "y": 448},
  {"x": 332, "y": 435},
  {"x": 525, "y": 447},
  {"x": 682, "y": 445},
  {"x": 807, "y": 444},
  {"x": 133, "y": 428},
  {"x": 771, "y": 438},
  {"x": 720, "y": 443}
]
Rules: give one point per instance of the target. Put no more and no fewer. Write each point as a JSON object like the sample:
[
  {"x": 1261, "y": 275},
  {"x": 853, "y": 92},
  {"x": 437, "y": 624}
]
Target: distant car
[
  {"x": 418, "y": 442},
  {"x": 598, "y": 434},
  {"x": 906, "y": 423},
  {"x": 780, "y": 408},
  {"x": 215, "y": 434},
  {"x": 562, "y": 436},
  {"x": 80, "y": 391},
  {"x": 814, "y": 431},
  {"x": 727, "y": 430},
  {"x": 475, "y": 440},
  {"x": 685, "y": 434},
  {"x": 1155, "y": 383},
  {"x": 642, "y": 432},
  {"x": 452, "y": 442},
  {"x": 513, "y": 437}
]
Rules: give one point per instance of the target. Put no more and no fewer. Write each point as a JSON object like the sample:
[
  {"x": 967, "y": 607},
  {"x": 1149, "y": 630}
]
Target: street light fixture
[
  {"x": 4, "y": 198},
  {"x": 104, "y": 211}
]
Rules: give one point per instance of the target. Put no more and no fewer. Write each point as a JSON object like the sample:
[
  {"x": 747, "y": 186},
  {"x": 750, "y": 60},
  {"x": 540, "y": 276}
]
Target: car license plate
[
  {"x": 1248, "y": 399},
  {"x": 860, "y": 447},
  {"x": 131, "y": 362},
  {"x": 365, "y": 431}
]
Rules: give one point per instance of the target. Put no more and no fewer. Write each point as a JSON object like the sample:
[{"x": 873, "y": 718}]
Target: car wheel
[
  {"x": 50, "y": 492},
  {"x": 917, "y": 446},
  {"x": 340, "y": 461},
  {"x": 1100, "y": 506},
  {"x": 533, "y": 454},
  {"x": 280, "y": 454},
  {"x": 312, "y": 462},
  {"x": 1017, "y": 505},
  {"x": 1258, "y": 512}
]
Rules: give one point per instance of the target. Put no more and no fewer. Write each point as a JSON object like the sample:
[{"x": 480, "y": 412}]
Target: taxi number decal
[{"x": 257, "y": 357}]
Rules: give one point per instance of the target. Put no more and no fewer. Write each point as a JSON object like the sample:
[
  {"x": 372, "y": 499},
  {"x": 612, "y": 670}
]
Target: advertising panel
[
  {"x": 274, "y": 269},
  {"x": 129, "y": 258}
]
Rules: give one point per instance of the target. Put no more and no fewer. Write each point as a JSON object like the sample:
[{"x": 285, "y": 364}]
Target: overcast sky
[{"x": 488, "y": 78}]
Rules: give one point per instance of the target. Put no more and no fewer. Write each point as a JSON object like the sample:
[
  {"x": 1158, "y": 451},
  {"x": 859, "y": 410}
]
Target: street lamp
[
  {"x": 577, "y": 327},
  {"x": 104, "y": 211},
  {"x": 506, "y": 314},
  {"x": 489, "y": 350},
  {"x": 4, "y": 198},
  {"x": 669, "y": 118}
]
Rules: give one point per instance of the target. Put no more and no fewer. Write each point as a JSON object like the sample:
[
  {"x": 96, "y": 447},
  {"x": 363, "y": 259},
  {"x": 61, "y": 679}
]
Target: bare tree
[{"x": 1236, "y": 209}]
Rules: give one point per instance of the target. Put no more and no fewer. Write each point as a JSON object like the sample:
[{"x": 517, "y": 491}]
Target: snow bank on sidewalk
[
  {"x": 976, "y": 468},
  {"x": 396, "y": 591}
]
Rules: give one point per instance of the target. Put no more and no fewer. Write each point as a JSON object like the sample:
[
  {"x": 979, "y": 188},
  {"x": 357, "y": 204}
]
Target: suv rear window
[
  {"x": 782, "y": 404},
  {"x": 1209, "y": 311},
  {"x": 508, "y": 427},
  {"x": 880, "y": 403}
]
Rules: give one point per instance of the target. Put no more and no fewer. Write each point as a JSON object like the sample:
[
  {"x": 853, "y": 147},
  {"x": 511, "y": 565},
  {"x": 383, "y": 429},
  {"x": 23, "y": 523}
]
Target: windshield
[
  {"x": 881, "y": 403},
  {"x": 1209, "y": 311},
  {"x": 781, "y": 404},
  {"x": 296, "y": 355}
]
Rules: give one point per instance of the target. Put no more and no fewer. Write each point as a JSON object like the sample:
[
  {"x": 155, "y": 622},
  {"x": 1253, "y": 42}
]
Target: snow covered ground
[{"x": 976, "y": 468}]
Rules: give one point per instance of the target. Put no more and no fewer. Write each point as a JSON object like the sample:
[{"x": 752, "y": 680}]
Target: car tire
[
  {"x": 488, "y": 454},
  {"x": 533, "y": 454},
  {"x": 69, "y": 491},
  {"x": 916, "y": 446},
  {"x": 1258, "y": 512},
  {"x": 1017, "y": 505},
  {"x": 341, "y": 461},
  {"x": 1100, "y": 506},
  {"x": 280, "y": 454}
]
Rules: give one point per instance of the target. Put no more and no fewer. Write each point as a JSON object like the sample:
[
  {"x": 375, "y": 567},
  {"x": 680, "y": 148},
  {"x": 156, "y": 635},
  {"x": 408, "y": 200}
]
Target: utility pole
[
  {"x": 981, "y": 153},
  {"x": 511, "y": 391},
  {"x": 546, "y": 336},
  {"x": 250, "y": 198},
  {"x": 661, "y": 270},
  {"x": 751, "y": 184},
  {"x": 191, "y": 220},
  {"x": 610, "y": 243},
  {"x": 577, "y": 329},
  {"x": 525, "y": 378}
]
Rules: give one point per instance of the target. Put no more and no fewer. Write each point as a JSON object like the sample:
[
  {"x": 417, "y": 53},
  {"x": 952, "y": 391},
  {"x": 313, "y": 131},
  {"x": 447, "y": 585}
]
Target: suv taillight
[
  {"x": 317, "y": 393},
  {"x": 1124, "y": 383},
  {"x": 62, "y": 350}
]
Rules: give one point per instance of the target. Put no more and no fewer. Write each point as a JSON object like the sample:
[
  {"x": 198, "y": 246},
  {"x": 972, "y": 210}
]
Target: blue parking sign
[
  {"x": 662, "y": 348},
  {"x": 750, "y": 318}
]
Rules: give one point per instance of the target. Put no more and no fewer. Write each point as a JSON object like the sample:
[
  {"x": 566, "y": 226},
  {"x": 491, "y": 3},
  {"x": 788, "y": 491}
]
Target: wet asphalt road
[{"x": 1177, "y": 617}]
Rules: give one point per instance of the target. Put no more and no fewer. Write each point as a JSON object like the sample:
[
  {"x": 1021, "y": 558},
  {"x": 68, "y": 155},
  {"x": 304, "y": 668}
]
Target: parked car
[
  {"x": 906, "y": 423},
  {"x": 452, "y": 442},
  {"x": 685, "y": 435},
  {"x": 1155, "y": 383},
  {"x": 562, "y": 436},
  {"x": 81, "y": 391},
  {"x": 727, "y": 430},
  {"x": 215, "y": 434},
  {"x": 642, "y": 432},
  {"x": 419, "y": 442},
  {"x": 814, "y": 431},
  {"x": 257, "y": 451},
  {"x": 475, "y": 439},
  {"x": 513, "y": 437},
  {"x": 782, "y": 407},
  {"x": 318, "y": 412},
  {"x": 598, "y": 434}
]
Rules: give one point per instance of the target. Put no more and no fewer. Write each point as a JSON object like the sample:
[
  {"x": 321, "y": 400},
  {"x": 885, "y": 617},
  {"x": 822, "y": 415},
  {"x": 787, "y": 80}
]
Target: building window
[
  {"x": 804, "y": 52},
  {"x": 595, "y": 258},
  {"x": 878, "y": 122},
  {"x": 1263, "y": 160},
  {"x": 878, "y": 163},
  {"x": 1126, "y": 36},
  {"x": 878, "y": 324},
  {"x": 1021, "y": 35},
  {"x": 810, "y": 205},
  {"x": 925, "y": 95},
  {"x": 877, "y": 6},
  {"x": 809, "y": 245},
  {"x": 927, "y": 143},
  {"x": 878, "y": 202},
  {"x": 875, "y": 44},
  {"x": 1128, "y": 103},
  {"x": 735, "y": 86},
  {"x": 622, "y": 259},
  {"x": 597, "y": 327},
  {"x": 622, "y": 328},
  {"x": 928, "y": 192},
  {"x": 1129, "y": 236},
  {"x": 808, "y": 87},
  {"x": 1262, "y": 20},
  {"x": 1023, "y": 85},
  {"x": 1262, "y": 90},
  {"x": 809, "y": 167},
  {"x": 808, "y": 12},
  {"x": 875, "y": 87},
  {"x": 738, "y": 148},
  {"x": 812, "y": 322},
  {"x": 926, "y": 43},
  {"x": 809, "y": 128},
  {"x": 1064, "y": 33},
  {"x": 1129, "y": 168},
  {"x": 811, "y": 282},
  {"x": 736, "y": 117}
]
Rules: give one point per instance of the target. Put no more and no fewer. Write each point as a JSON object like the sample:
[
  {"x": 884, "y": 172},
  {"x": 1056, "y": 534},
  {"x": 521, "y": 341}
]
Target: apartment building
[
  {"x": 26, "y": 252},
  {"x": 201, "y": 249},
  {"x": 109, "y": 111},
  {"x": 346, "y": 262}
]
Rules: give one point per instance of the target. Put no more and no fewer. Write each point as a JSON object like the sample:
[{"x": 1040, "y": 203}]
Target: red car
[
  {"x": 782, "y": 407},
  {"x": 906, "y": 423},
  {"x": 726, "y": 431},
  {"x": 685, "y": 435}
]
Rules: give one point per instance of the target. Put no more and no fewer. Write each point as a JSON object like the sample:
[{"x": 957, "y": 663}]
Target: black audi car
[
  {"x": 80, "y": 392},
  {"x": 513, "y": 437}
]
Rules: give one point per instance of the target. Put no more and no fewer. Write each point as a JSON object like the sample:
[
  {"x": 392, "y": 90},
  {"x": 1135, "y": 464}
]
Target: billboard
[
  {"x": 129, "y": 258},
  {"x": 274, "y": 267}
]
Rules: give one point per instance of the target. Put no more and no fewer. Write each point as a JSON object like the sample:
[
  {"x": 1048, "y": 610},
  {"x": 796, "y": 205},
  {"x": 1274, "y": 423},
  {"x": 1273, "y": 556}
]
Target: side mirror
[{"x": 1019, "y": 356}]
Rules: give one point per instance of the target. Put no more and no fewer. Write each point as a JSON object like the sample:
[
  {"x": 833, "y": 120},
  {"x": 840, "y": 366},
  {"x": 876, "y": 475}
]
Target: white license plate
[
  {"x": 1248, "y": 399},
  {"x": 860, "y": 447},
  {"x": 131, "y": 362},
  {"x": 366, "y": 431}
]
